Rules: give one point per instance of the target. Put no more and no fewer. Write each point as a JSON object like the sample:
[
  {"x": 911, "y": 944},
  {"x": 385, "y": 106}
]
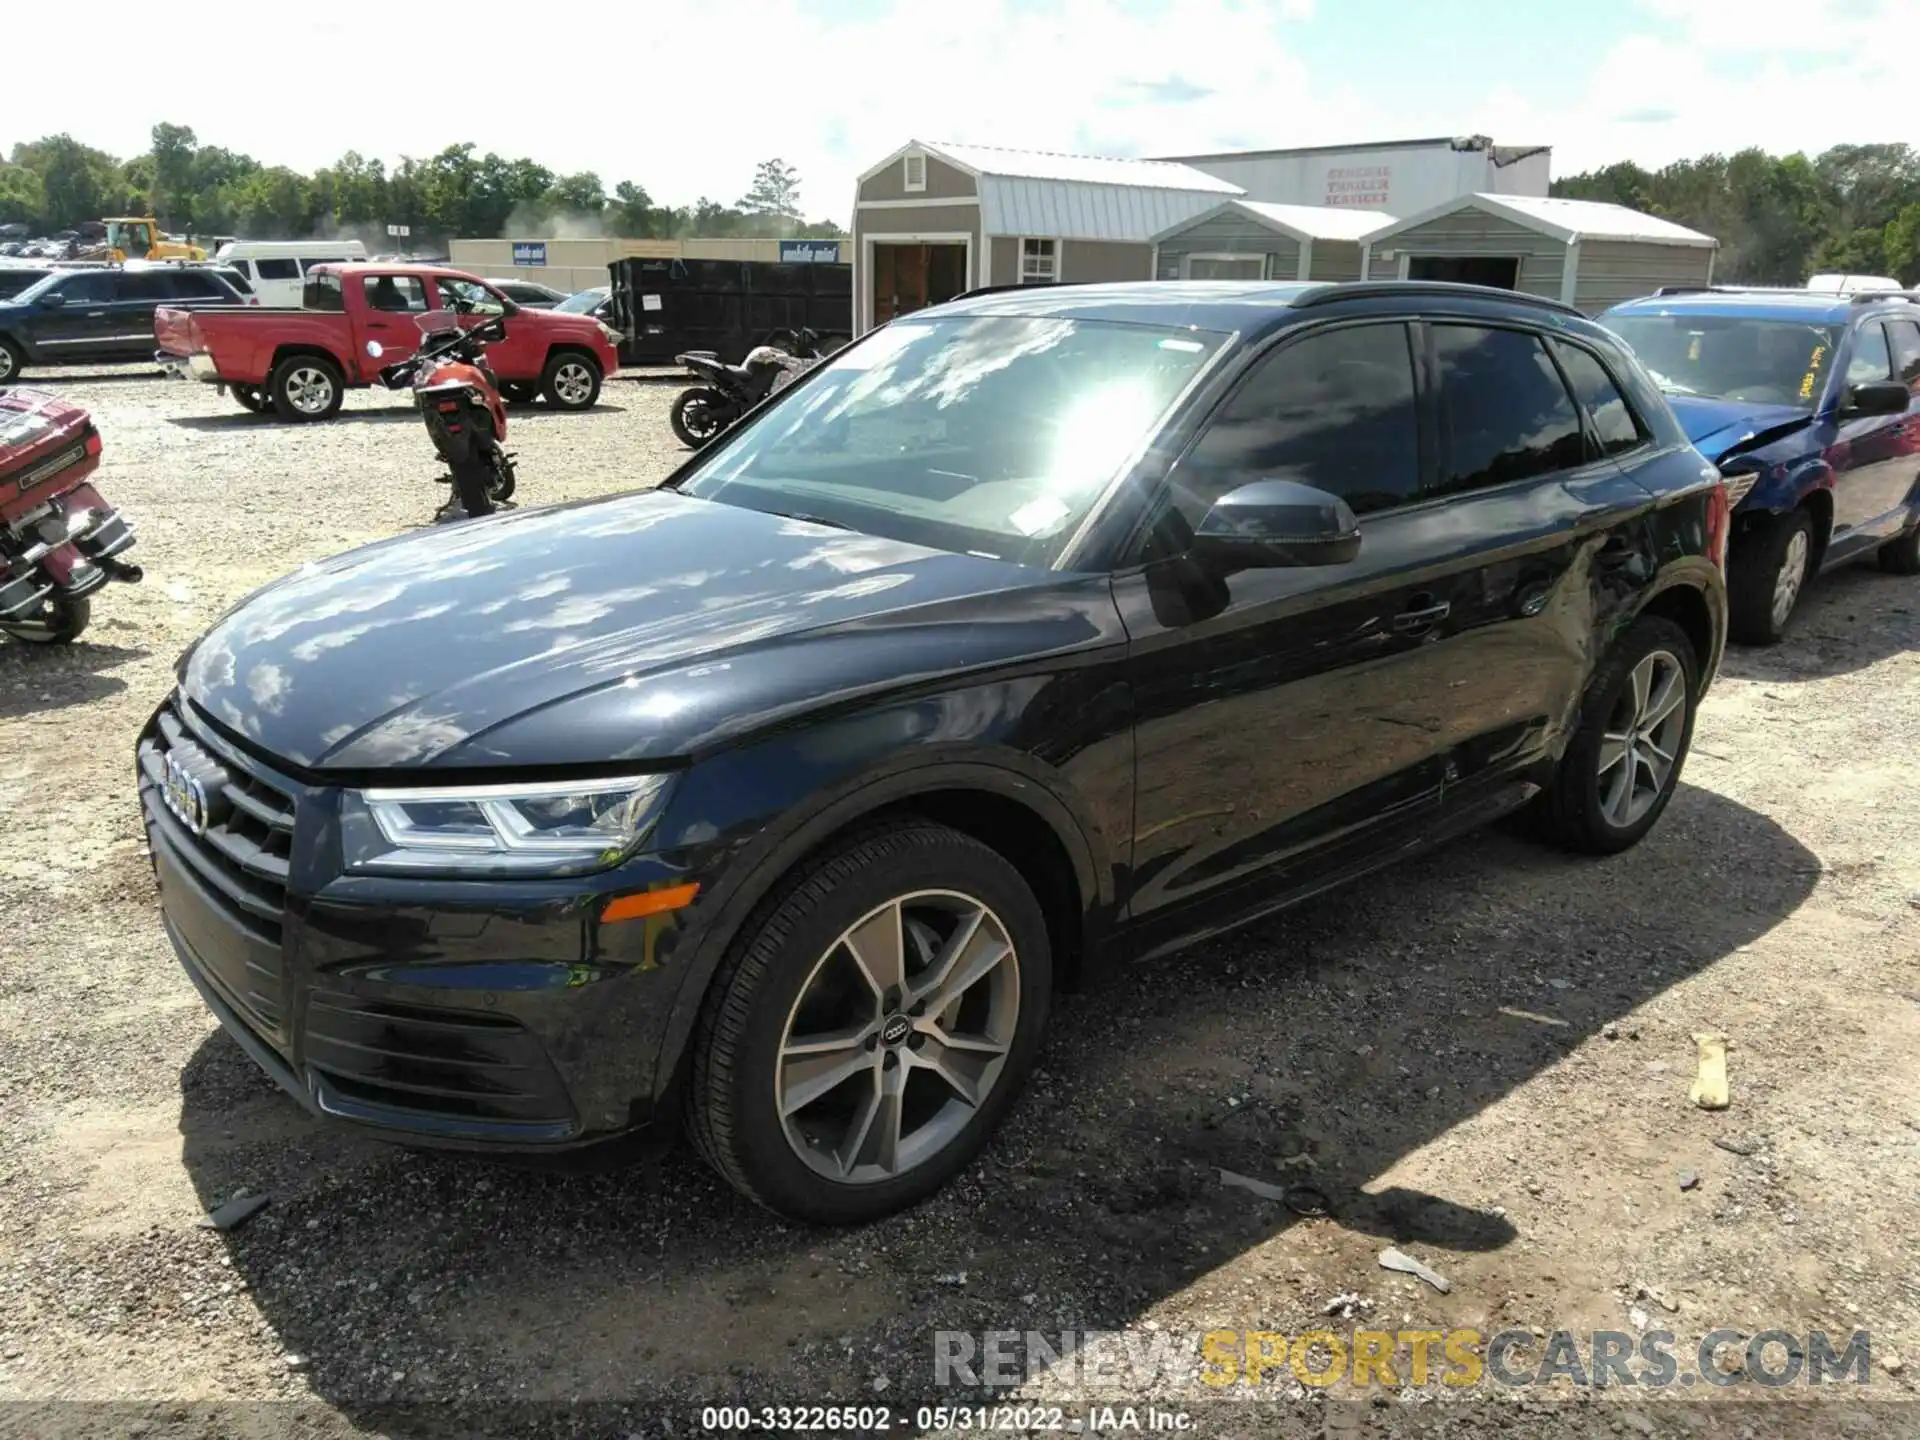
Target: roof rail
[
  {"x": 1867, "y": 297},
  {"x": 1732, "y": 290},
  {"x": 1367, "y": 289}
]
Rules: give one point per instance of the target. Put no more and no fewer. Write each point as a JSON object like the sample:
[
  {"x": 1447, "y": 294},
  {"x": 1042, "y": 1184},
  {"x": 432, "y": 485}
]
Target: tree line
[
  {"x": 1854, "y": 209},
  {"x": 57, "y": 183}
]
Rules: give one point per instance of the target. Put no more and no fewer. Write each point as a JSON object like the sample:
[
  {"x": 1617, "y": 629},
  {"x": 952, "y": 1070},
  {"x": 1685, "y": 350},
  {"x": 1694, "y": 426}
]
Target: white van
[
  {"x": 1851, "y": 284},
  {"x": 277, "y": 268}
]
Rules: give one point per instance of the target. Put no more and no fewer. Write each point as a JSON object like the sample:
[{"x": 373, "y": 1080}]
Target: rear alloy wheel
[
  {"x": 1901, "y": 556},
  {"x": 1766, "y": 574},
  {"x": 306, "y": 387},
  {"x": 870, "y": 1031},
  {"x": 12, "y": 362},
  {"x": 1636, "y": 724},
  {"x": 571, "y": 381},
  {"x": 698, "y": 415}
]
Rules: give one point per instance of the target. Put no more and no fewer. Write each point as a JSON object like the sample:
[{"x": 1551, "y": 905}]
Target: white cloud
[{"x": 686, "y": 98}]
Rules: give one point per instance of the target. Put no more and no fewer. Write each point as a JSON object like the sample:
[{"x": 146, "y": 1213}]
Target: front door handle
[{"x": 1423, "y": 617}]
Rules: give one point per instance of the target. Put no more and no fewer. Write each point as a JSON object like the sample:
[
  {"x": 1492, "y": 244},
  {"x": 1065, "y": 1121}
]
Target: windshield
[
  {"x": 1732, "y": 357},
  {"x": 990, "y": 435},
  {"x": 583, "y": 302}
]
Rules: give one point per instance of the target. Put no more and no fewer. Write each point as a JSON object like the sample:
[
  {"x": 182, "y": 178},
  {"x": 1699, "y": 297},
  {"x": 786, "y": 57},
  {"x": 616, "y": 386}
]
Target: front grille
[
  {"x": 237, "y": 864},
  {"x": 464, "y": 1067}
]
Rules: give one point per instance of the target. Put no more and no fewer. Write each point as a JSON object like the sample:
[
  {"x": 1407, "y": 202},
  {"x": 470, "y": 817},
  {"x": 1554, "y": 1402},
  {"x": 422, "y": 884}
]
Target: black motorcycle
[{"x": 705, "y": 412}]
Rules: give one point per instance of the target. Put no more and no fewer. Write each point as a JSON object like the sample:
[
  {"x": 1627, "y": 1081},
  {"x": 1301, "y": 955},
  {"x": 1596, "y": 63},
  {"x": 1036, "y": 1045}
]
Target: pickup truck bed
[{"x": 301, "y": 362}]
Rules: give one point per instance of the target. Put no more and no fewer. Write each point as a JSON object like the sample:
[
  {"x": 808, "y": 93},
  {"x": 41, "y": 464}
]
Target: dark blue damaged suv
[{"x": 1033, "y": 630}]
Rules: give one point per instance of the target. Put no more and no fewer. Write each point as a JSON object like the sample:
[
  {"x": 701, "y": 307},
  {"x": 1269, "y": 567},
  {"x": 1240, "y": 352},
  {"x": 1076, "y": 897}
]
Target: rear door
[{"x": 1544, "y": 526}]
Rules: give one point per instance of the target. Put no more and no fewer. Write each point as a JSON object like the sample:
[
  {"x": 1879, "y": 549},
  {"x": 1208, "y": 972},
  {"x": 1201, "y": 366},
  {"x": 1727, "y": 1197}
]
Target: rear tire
[
  {"x": 12, "y": 361},
  {"x": 790, "y": 972},
  {"x": 1622, "y": 725},
  {"x": 699, "y": 417},
  {"x": 63, "y": 618},
  {"x": 1766, "y": 575},
  {"x": 1901, "y": 556},
  {"x": 306, "y": 387},
  {"x": 571, "y": 381}
]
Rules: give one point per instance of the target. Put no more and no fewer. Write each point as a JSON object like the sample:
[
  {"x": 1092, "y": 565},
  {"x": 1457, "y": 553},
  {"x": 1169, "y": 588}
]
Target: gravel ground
[{"x": 1483, "y": 1061}]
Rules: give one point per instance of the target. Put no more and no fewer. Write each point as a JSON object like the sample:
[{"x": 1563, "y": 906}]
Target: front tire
[
  {"x": 60, "y": 622},
  {"x": 1901, "y": 555},
  {"x": 306, "y": 387},
  {"x": 248, "y": 397},
  {"x": 871, "y": 1026},
  {"x": 699, "y": 416},
  {"x": 571, "y": 381},
  {"x": 1624, "y": 762},
  {"x": 1768, "y": 571}
]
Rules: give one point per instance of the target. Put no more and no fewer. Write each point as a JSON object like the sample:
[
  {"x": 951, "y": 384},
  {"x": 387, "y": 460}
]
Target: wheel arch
[
  {"x": 557, "y": 348},
  {"x": 1684, "y": 599},
  {"x": 295, "y": 348},
  {"x": 1011, "y": 813}
]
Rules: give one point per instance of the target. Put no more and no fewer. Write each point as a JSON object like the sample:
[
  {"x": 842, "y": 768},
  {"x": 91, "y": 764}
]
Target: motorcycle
[
  {"x": 59, "y": 541},
  {"x": 702, "y": 414},
  {"x": 458, "y": 397}
]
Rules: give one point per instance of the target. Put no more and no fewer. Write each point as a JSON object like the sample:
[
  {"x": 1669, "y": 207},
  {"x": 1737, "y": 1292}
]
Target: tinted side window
[
  {"x": 1870, "y": 360},
  {"x": 149, "y": 285},
  {"x": 323, "y": 292},
  {"x": 395, "y": 292},
  {"x": 1334, "y": 410},
  {"x": 90, "y": 285},
  {"x": 272, "y": 269},
  {"x": 1504, "y": 412},
  {"x": 1613, "y": 420},
  {"x": 1905, "y": 338}
]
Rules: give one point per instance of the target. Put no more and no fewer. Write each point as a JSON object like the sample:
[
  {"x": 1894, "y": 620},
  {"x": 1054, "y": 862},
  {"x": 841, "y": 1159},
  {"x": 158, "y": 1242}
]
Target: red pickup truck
[{"x": 301, "y": 362}]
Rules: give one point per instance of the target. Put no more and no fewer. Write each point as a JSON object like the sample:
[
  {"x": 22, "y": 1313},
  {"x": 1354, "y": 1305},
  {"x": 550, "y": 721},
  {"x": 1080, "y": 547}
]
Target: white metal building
[{"x": 1402, "y": 177}]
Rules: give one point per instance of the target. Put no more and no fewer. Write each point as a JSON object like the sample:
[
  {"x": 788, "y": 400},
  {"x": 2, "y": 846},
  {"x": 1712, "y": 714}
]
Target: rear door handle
[{"x": 1423, "y": 616}]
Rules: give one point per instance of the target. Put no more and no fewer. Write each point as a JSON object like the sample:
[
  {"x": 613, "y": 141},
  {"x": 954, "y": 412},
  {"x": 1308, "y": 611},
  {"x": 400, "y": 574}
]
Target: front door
[
  {"x": 80, "y": 329},
  {"x": 389, "y": 308},
  {"x": 1287, "y": 717},
  {"x": 1866, "y": 448}
]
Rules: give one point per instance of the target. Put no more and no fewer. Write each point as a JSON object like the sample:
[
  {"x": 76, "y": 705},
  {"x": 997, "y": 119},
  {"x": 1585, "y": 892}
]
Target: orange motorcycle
[{"x": 459, "y": 399}]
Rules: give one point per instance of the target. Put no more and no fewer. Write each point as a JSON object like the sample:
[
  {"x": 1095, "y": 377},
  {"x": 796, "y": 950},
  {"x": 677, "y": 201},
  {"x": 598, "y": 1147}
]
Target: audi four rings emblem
[{"x": 185, "y": 796}]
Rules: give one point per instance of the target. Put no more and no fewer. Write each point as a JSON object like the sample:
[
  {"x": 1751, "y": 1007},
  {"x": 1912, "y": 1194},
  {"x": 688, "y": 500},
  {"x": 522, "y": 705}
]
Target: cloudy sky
[{"x": 686, "y": 97}]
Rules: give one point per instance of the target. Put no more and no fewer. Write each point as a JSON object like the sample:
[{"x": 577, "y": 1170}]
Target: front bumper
[{"x": 462, "y": 1014}]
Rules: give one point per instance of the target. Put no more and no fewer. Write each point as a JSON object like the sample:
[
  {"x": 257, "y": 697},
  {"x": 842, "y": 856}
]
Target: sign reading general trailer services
[
  {"x": 1360, "y": 187},
  {"x": 529, "y": 252},
  {"x": 809, "y": 252}
]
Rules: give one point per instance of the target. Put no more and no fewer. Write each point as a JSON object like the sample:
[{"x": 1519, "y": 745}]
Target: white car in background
[
  {"x": 277, "y": 269},
  {"x": 1852, "y": 284}
]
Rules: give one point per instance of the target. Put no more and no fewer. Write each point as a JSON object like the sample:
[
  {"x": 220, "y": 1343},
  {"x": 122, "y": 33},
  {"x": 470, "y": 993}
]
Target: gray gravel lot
[{"x": 1482, "y": 1059}]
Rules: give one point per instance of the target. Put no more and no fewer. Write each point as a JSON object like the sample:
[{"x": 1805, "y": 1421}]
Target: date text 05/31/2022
[{"x": 1018, "y": 1419}]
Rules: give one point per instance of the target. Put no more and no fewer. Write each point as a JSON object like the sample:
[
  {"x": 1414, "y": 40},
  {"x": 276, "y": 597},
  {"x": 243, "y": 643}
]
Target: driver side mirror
[
  {"x": 52, "y": 301},
  {"x": 1878, "y": 397},
  {"x": 1277, "y": 523}
]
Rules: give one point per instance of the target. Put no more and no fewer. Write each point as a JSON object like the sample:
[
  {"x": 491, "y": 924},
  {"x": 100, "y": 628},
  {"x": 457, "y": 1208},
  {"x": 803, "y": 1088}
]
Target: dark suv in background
[
  {"x": 1811, "y": 405},
  {"x": 1033, "y": 631},
  {"x": 101, "y": 314}
]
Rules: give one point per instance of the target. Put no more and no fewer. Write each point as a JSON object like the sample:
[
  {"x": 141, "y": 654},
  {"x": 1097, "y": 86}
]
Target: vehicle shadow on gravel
[
  {"x": 38, "y": 678},
  {"x": 1318, "y": 1049},
  {"x": 247, "y": 420},
  {"x": 1848, "y": 620}
]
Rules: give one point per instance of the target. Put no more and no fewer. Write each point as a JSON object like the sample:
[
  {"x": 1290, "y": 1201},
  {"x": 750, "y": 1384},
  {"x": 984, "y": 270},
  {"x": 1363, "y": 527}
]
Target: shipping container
[{"x": 663, "y": 308}]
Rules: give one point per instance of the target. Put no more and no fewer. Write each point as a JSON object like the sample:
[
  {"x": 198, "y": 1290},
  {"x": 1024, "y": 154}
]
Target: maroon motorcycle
[{"x": 59, "y": 541}]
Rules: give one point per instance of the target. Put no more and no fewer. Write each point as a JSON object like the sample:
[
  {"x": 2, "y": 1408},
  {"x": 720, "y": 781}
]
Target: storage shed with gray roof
[
  {"x": 1250, "y": 240},
  {"x": 1582, "y": 252},
  {"x": 934, "y": 220}
]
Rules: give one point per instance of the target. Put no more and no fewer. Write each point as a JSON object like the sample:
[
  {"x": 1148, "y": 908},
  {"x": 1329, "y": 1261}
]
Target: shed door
[{"x": 1500, "y": 271}]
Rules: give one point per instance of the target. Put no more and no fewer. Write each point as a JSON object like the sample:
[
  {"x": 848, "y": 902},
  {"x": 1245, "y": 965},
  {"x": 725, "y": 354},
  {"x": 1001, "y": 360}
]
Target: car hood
[
  {"x": 1716, "y": 426},
  {"x": 645, "y": 627}
]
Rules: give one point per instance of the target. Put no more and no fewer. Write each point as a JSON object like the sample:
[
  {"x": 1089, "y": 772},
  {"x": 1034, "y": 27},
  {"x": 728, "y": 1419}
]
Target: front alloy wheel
[
  {"x": 898, "y": 1036},
  {"x": 871, "y": 1024}
]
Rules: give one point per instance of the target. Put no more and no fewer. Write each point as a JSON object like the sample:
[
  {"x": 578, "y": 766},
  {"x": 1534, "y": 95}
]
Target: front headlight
[
  {"x": 543, "y": 828},
  {"x": 613, "y": 335}
]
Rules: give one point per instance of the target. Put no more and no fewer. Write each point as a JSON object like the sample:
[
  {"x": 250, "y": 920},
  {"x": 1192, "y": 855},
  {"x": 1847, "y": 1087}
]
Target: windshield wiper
[{"x": 810, "y": 519}]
